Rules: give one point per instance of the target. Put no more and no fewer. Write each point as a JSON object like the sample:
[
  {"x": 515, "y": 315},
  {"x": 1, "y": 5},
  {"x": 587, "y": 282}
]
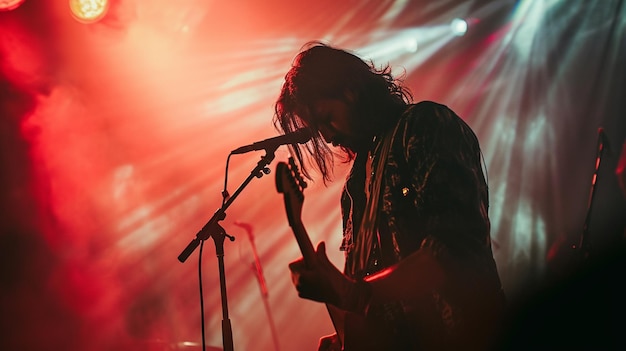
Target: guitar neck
[{"x": 304, "y": 242}]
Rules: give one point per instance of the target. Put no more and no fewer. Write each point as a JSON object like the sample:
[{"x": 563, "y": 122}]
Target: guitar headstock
[{"x": 291, "y": 184}]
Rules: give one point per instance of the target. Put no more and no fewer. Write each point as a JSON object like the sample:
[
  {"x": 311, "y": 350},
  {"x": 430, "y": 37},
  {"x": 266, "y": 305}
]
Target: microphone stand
[
  {"x": 214, "y": 230},
  {"x": 585, "y": 244}
]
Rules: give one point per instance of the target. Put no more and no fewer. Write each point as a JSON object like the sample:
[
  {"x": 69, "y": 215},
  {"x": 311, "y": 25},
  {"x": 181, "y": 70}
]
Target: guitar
[
  {"x": 290, "y": 183},
  {"x": 353, "y": 331}
]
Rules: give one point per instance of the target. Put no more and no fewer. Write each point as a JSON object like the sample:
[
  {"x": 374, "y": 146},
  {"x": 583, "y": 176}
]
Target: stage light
[
  {"x": 458, "y": 27},
  {"x": 411, "y": 45},
  {"x": 8, "y": 5},
  {"x": 89, "y": 11}
]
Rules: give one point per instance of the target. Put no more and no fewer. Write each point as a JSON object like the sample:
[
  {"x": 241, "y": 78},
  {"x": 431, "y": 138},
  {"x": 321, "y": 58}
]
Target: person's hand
[
  {"x": 321, "y": 281},
  {"x": 329, "y": 343}
]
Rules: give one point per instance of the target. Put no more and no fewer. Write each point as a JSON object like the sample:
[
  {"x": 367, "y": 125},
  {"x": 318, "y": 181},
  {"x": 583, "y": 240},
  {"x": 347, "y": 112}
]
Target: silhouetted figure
[{"x": 419, "y": 271}]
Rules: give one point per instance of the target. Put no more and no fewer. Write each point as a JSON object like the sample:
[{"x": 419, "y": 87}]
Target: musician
[{"x": 419, "y": 269}]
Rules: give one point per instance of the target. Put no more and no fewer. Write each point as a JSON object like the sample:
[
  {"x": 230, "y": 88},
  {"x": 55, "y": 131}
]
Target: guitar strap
[{"x": 368, "y": 228}]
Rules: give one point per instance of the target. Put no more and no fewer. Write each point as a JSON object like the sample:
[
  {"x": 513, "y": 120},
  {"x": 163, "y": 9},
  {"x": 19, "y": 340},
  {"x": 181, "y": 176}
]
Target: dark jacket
[{"x": 432, "y": 194}]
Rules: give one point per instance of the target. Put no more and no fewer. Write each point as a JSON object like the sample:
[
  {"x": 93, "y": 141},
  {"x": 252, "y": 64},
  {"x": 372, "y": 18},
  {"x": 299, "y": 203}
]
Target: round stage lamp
[
  {"x": 458, "y": 27},
  {"x": 89, "y": 11}
]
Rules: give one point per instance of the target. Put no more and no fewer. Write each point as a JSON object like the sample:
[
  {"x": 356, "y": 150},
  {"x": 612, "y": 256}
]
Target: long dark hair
[{"x": 320, "y": 71}]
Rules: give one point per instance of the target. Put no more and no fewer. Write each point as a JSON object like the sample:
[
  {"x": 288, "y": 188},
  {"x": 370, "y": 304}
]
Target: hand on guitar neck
[{"x": 319, "y": 280}]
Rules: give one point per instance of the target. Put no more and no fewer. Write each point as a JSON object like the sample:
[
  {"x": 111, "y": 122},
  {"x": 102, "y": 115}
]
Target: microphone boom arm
[{"x": 212, "y": 225}]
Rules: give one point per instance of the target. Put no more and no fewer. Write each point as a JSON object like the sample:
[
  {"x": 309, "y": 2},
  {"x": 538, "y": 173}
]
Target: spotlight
[
  {"x": 8, "y": 5},
  {"x": 89, "y": 11},
  {"x": 458, "y": 27}
]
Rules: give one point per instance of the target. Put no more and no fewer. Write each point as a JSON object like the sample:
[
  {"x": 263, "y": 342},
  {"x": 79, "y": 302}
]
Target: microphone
[{"x": 299, "y": 136}]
